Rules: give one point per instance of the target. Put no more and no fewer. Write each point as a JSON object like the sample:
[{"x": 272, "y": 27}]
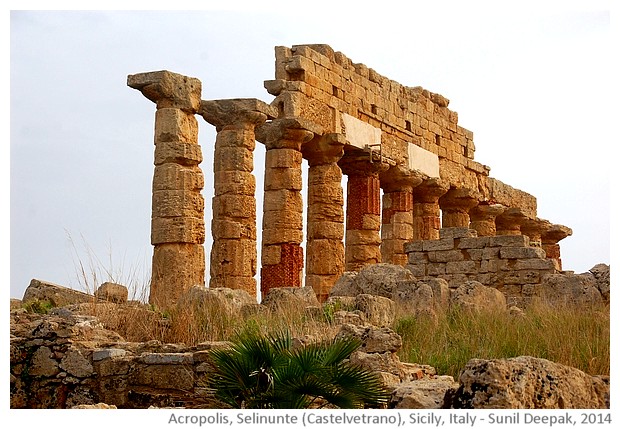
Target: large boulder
[
  {"x": 373, "y": 339},
  {"x": 112, "y": 292},
  {"x": 421, "y": 298},
  {"x": 474, "y": 296},
  {"x": 231, "y": 302},
  {"x": 570, "y": 289},
  {"x": 527, "y": 382},
  {"x": 56, "y": 295},
  {"x": 377, "y": 310},
  {"x": 376, "y": 279}
]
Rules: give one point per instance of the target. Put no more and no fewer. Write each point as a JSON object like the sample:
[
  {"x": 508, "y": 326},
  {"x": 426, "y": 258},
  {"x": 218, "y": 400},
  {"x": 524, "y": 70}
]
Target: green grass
[{"x": 578, "y": 337}]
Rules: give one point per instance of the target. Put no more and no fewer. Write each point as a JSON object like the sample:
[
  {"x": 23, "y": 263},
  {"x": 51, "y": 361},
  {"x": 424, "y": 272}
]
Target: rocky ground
[{"x": 65, "y": 358}]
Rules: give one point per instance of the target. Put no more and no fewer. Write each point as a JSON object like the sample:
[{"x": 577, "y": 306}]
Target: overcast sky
[{"x": 532, "y": 83}]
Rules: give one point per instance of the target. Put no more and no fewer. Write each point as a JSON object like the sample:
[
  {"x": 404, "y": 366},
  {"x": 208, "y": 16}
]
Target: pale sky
[{"x": 533, "y": 83}]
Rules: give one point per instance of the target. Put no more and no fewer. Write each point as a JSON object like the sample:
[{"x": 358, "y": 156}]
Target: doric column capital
[
  {"x": 430, "y": 190},
  {"x": 535, "y": 228},
  {"x": 400, "y": 178},
  {"x": 486, "y": 210},
  {"x": 168, "y": 89},
  {"x": 509, "y": 222},
  {"x": 555, "y": 233},
  {"x": 326, "y": 149},
  {"x": 287, "y": 133},
  {"x": 361, "y": 165},
  {"x": 461, "y": 199},
  {"x": 236, "y": 112}
]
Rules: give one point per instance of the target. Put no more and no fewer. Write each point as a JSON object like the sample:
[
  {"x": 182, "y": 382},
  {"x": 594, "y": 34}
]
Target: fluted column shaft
[{"x": 177, "y": 222}]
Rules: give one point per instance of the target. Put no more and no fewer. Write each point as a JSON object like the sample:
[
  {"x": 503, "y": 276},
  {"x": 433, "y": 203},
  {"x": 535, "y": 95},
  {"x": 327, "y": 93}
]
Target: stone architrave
[
  {"x": 455, "y": 206},
  {"x": 325, "y": 216},
  {"x": 482, "y": 218},
  {"x": 362, "y": 238},
  {"x": 233, "y": 253},
  {"x": 426, "y": 210},
  {"x": 550, "y": 241},
  {"x": 397, "y": 213},
  {"x": 282, "y": 256},
  {"x": 177, "y": 223},
  {"x": 534, "y": 228}
]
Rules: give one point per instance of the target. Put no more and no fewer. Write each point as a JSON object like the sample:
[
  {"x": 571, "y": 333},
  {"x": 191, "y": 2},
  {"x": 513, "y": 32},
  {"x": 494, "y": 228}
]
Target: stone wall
[{"x": 508, "y": 263}]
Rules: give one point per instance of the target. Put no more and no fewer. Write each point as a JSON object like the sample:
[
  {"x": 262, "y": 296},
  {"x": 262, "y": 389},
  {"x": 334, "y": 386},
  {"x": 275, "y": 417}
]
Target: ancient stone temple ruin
[{"x": 414, "y": 194}]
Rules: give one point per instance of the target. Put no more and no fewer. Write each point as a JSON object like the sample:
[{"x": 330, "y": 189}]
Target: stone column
[
  {"x": 426, "y": 211},
  {"x": 397, "y": 213},
  {"x": 362, "y": 238},
  {"x": 509, "y": 222},
  {"x": 233, "y": 253},
  {"x": 455, "y": 206},
  {"x": 482, "y": 218},
  {"x": 177, "y": 223},
  {"x": 550, "y": 239},
  {"x": 282, "y": 256},
  {"x": 325, "y": 216}
]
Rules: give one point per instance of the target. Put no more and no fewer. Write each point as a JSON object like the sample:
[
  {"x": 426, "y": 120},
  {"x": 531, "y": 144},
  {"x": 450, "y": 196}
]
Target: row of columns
[{"x": 413, "y": 207}]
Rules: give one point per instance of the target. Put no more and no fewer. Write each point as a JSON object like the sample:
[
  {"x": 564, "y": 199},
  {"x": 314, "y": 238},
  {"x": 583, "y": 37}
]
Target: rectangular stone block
[
  {"x": 521, "y": 253},
  {"x": 234, "y": 206},
  {"x": 418, "y": 270},
  {"x": 177, "y": 230},
  {"x": 493, "y": 265},
  {"x": 414, "y": 246},
  {"x": 282, "y": 236},
  {"x": 234, "y": 182},
  {"x": 417, "y": 257},
  {"x": 170, "y": 203},
  {"x": 521, "y": 277},
  {"x": 535, "y": 264},
  {"x": 509, "y": 241},
  {"x": 171, "y": 176},
  {"x": 231, "y": 229},
  {"x": 282, "y": 199},
  {"x": 457, "y": 232},
  {"x": 325, "y": 229},
  {"x": 473, "y": 254},
  {"x": 283, "y": 158},
  {"x": 325, "y": 257},
  {"x": 233, "y": 258},
  {"x": 473, "y": 242},
  {"x": 461, "y": 267},
  {"x": 435, "y": 269},
  {"x": 174, "y": 125},
  {"x": 178, "y": 153},
  {"x": 441, "y": 244},
  {"x": 233, "y": 159},
  {"x": 178, "y": 377},
  {"x": 490, "y": 253},
  {"x": 446, "y": 256}
]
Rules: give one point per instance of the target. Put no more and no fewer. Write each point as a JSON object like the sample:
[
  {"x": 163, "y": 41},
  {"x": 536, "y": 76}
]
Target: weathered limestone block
[
  {"x": 42, "y": 363},
  {"x": 378, "y": 280},
  {"x": 528, "y": 382},
  {"x": 374, "y": 339},
  {"x": 569, "y": 289},
  {"x": 76, "y": 364},
  {"x": 508, "y": 196},
  {"x": 56, "y": 295},
  {"x": 290, "y": 298},
  {"x": 227, "y": 302},
  {"x": 112, "y": 292},
  {"x": 601, "y": 274},
  {"x": 377, "y": 310},
  {"x": 171, "y": 268},
  {"x": 168, "y": 89},
  {"x": 455, "y": 206},
  {"x": 474, "y": 296},
  {"x": 423, "y": 394}
]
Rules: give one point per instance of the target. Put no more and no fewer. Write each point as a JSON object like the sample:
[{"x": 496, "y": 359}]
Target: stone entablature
[
  {"x": 506, "y": 262},
  {"x": 345, "y": 119}
]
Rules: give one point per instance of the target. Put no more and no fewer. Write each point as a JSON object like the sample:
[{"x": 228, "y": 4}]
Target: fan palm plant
[{"x": 267, "y": 372}]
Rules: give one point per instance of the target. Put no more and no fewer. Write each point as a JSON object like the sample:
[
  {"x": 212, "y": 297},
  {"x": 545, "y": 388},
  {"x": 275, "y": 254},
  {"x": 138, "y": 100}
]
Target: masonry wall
[{"x": 508, "y": 263}]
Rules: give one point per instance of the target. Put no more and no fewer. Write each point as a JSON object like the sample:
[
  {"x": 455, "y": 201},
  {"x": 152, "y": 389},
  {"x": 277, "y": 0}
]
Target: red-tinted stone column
[
  {"x": 397, "y": 213},
  {"x": 325, "y": 230},
  {"x": 233, "y": 253},
  {"x": 362, "y": 238},
  {"x": 177, "y": 223},
  {"x": 282, "y": 257},
  {"x": 426, "y": 210}
]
